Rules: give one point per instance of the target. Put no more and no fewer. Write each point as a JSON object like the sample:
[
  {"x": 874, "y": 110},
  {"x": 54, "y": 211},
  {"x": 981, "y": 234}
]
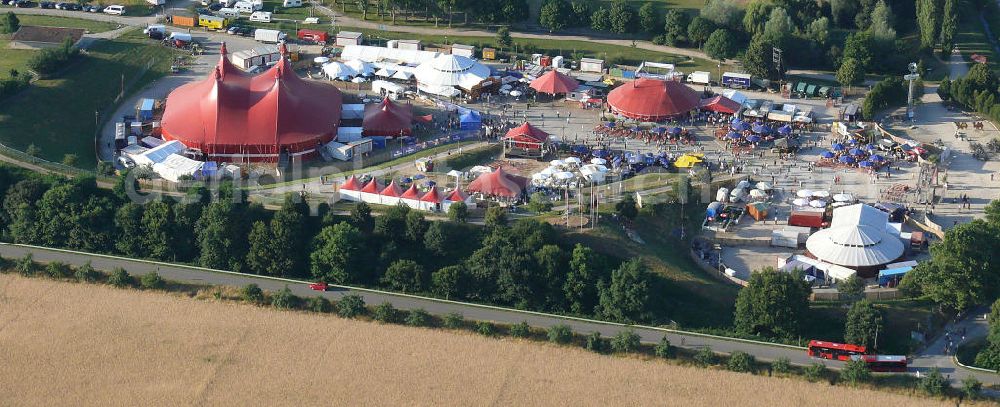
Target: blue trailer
[
  {"x": 736, "y": 80},
  {"x": 145, "y": 111}
]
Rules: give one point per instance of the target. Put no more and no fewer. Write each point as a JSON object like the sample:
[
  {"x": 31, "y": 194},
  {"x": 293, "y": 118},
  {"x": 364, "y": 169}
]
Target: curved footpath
[{"x": 688, "y": 340}]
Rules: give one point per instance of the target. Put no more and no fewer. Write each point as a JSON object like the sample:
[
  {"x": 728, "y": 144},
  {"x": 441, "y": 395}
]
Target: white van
[
  {"x": 115, "y": 10},
  {"x": 229, "y": 13},
  {"x": 291, "y": 3},
  {"x": 244, "y": 7},
  {"x": 261, "y": 16}
]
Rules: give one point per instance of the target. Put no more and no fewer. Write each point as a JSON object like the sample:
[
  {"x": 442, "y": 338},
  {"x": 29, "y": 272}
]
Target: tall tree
[
  {"x": 929, "y": 15},
  {"x": 555, "y": 15},
  {"x": 843, "y": 11},
  {"x": 850, "y": 72},
  {"x": 949, "y": 26},
  {"x": 773, "y": 303},
  {"x": 259, "y": 256},
  {"x": 859, "y": 46},
  {"x": 552, "y": 263},
  {"x": 724, "y": 13},
  {"x": 650, "y": 19},
  {"x": 217, "y": 235},
  {"x": 10, "y": 23},
  {"x": 864, "y": 322},
  {"x": 819, "y": 31},
  {"x": 361, "y": 217},
  {"x": 405, "y": 276},
  {"x": 721, "y": 45},
  {"x": 186, "y": 216},
  {"x": 581, "y": 281},
  {"x": 779, "y": 28},
  {"x": 961, "y": 271},
  {"x": 128, "y": 225},
  {"x": 438, "y": 238},
  {"x": 503, "y": 39},
  {"x": 416, "y": 226},
  {"x": 625, "y": 299},
  {"x": 158, "y": 230},
  {"x": 621, "y": 17},
  {"x": 676, "y": 28},
  {"x": 756, "y": 15},
  {"x": 448, "y": 281},
  {"x": 699, "y": 29},
  {"x": 335, "y": 253},
  {"x": 881, "y": 26}
]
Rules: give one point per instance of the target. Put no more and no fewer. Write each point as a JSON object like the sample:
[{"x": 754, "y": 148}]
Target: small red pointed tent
[
  {"x": 387, "y": 119},
  {"x": 351, "y": 184},
  {"x": 499, "y": 183},
  {"x": 411, "y": 193},
  {"x": 457, "y": 196},
  {"x": 372, "y": 187},
  {"x": 392, "y": 190},
  {"x": 554, "y": 82},
  {"x": 432, "y": 196},
  {"x": 527, "y": 133},
  {"x": 720, "y": 104}
]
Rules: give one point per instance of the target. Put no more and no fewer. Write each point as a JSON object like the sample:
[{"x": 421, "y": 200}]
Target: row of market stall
[{"x": 374, "y": 192}]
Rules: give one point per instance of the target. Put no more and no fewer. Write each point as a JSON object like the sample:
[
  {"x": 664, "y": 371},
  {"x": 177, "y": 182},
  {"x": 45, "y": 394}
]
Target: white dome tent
[
  {"x": 859, "y": 236},
  {"x": 450, "y": 71},
  {"x": 337, "y": 70},
  {"x": 361, "y": 67}
]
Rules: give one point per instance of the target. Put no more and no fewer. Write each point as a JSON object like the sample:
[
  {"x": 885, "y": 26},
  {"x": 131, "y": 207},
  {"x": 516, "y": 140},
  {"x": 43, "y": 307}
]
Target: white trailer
[
  {"x": 700, "y": 77},
  {"x": 592, "y": 65},
  {"x": 268, "y": 36}
]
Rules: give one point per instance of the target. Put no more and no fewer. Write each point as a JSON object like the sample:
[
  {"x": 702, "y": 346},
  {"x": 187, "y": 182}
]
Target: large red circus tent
[
  {"x": 720, "y": 104},
  {"x": 234, "y": 116},
  {"x": 653, "y": 99},
  {"x": 554, "y": 82},
  {"x": 499, "y": 183},
  {"x": 387, "y": 119}
]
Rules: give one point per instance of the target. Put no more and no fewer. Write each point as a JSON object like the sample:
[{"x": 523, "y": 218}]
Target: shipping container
[
  {"x": 183, "y": 21},
  {"x": 811, "y": 219}
]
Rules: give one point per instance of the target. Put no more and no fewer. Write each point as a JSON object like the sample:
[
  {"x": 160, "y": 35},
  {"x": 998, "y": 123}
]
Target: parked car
[
  {"x": 73, "y": 7},
  {"x": 318, "y": 286},
  {"x": 115, "y": 10},
  {"x": 94, "y": 9},
  {"x": 24, "y": 4},
  {"x": 205, "y": 11},
  {"x": 233, "y": 29},
  {"x": 215, "y": 6},
  {"x": 248, "y": 31},
  {"x": 47, "y": 4}
]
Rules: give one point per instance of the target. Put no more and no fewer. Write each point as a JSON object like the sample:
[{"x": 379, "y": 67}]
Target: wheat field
[{"x": 76, "y": 344}]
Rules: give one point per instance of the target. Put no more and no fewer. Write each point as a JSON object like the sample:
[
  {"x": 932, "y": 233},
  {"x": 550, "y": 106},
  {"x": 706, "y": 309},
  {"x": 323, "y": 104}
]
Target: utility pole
[{"x": 912, "y": 76}]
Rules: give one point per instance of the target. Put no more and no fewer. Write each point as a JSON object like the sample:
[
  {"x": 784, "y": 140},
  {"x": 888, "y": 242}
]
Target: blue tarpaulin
[
  {"x": 885, "y": 276},
  {"x": 146, "y": 109}
]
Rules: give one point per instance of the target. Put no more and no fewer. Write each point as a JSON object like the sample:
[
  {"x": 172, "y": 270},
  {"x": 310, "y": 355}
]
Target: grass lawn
[
  {"x": 57, "y": 115},
  {"x": 13, "y": 59},
  {"x": 54, "y": 21},
  {"x": 971, "y": 39}
]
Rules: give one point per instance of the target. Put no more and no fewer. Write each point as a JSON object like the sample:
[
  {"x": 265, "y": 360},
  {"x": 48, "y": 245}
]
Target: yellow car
[{"x": 689, "y": 160}]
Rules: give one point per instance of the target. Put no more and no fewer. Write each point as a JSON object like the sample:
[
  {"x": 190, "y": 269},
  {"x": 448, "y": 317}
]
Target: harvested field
[{"x": 74, "y": 344}]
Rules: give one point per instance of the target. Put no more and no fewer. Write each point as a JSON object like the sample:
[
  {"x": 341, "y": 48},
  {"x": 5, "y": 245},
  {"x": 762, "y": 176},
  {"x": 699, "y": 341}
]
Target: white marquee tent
[
  {"x": 335, "y": 70},
  {"x": 447, "y": 71},
  {"x": 378, "y": 54},
  {"x": 859, "y": 236}
]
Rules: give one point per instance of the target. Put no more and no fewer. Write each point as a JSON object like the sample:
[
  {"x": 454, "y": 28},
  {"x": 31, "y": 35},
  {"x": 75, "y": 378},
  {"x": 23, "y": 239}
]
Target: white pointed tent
[
  {"x": 335, "y": 70},
  {"x": 450, "y": 71},
  {"x": 859, "y": 236}
]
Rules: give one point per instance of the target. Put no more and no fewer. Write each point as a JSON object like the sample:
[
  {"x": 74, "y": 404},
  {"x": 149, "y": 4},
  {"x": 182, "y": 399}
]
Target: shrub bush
[
  {"x": 252, "y": 293},
  {"x": 86, "y": 273},
  {"x": 662, "y": 349},
  {"x": 560, "y": 334},
  {"x": 934, "y": 383},
  {"x": 814, "y": 372},
  {"x": 856, "y": 372},
  {"x": 781, "y": 366},
  {"x": 152, "y": 281},
  {"x": 626, "y": 341},
  {"x": 418, "y": 317},
  {"x": 120, "y": 278},
  {"x": 351, "y": 306},
  {"x": 595, "y": 343},
  {"x": 384, "y": 313},
  {"x": 284, "y": 299},
  {"x": 454, "y": 320},
  {"x": 705, "y": 357},
  {"x": 320, "y": 304},
  {"x": 57, "y": 269},
  {"x": 486, "y": 328},
  {"x": 521, "y": 330},
  {"x": 741, "y": 362},
  {"x": 26, "y": 265},
  {"x": 50, "y": 60}
]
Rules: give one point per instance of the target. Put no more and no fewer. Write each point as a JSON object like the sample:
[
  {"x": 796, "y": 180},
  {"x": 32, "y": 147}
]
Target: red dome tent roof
[
  {"x": 720, "y": 104},
  {"x": 233, "y": 114},
  {"x": 653, "y": 99},
  {"x": 527, "y": 133},
  {"x": 554, "y": 82},
  {"x": 499, "y": 183},
  {"x": 372, "y": 187},
  {"x": 457, "y": 196},
  {"x": 432, "y": 196},
  {"x": 387, "y": 119},
  {"x": 411, "y": 193},
  {"x": 351, "y": 184},
  {"x": 392, "y": 190}
]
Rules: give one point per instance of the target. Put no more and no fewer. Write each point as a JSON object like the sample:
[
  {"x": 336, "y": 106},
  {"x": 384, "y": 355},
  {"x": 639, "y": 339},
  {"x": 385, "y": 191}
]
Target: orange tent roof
[
  {"x": 653, "y": 99},
  {"x": 372, "y": 187},
  {"x": 554, "y": 82},
  {"x": 387, "y": 119},
  {"x": 499, "y": 183},
  {"x": 527, "y": 133},
  {"x": 457, "y": 196},
  {"x": 432, "y": 196},
  {"x": 351, "y": 184},
  {"x": 411, "y": 193},
  {"x": 392, "y": 190}
]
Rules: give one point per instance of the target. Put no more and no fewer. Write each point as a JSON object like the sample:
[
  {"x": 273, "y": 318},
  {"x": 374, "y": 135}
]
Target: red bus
[
  {"x": 833, "y": 350},
  {"x": 884, "y": 363}
]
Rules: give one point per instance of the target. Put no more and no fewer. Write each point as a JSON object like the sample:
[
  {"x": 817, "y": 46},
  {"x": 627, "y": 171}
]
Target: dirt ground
[{"x": 81, "y": 344}]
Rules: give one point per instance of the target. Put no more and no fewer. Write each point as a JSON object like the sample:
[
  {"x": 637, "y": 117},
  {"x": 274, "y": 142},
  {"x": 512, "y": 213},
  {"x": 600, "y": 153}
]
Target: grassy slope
[
  {"x": 57, "y": 114},
  {"x": 54, "y": 21},
  {"x": 971, "y": 39},
  {"x": 13, "y": 59}
]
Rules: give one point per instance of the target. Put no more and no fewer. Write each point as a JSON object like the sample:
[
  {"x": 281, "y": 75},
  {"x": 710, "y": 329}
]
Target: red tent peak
[
  {"x": 222, "y": 49},
  {"x": 372, "y": 187},
  {"x": 351, "y": 184},
  {"x": 283, "y": 50},
  {"x": 411, "y": 193},
  {"x": 432, "y": 196},
  {"x": 457, "y": 195},
  {"x": 529, "y": 131},
  {"x": 392, "y": 189}
]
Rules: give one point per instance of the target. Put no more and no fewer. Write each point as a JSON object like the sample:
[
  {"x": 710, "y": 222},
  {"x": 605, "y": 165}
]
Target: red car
[{"x": 320, "y": 286}]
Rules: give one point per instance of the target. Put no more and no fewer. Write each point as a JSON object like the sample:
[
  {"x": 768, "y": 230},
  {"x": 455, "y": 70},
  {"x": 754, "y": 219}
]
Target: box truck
[
  {"x": 268, "y": 36},
  {"x": 736, "y": 80}
]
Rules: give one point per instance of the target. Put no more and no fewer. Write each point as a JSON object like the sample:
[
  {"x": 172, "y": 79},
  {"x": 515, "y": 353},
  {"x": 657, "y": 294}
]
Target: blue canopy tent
[
  {"x": 733, "y": 135},
  {"x": 660, "y": 130},
  {"x": 857, "y": 151},
  {"x": 889, "y": 275},
  {"x": 470, "y": 120},
  {"x": 753, "y": 139},
  {"x": 846, "y": 159},
  {"x": 785, "y": 130},
  {"x": 865, "y": 164},
  {"x": 676, "y": 131},
  {"x": 876, "y": 158},
  {"x": 744, "y": 126},
  {"x": 600, "y": 153},
  {"x": 581, "y": 150},
  {"x": 838, "y": 147},
  {"x": 758, "y": 128},
  {"x": 828, "y": 154}
]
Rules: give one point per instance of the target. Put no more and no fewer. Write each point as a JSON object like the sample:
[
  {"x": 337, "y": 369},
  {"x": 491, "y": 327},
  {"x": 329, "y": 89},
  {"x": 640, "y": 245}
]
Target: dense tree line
[
  {"x": 888, "y": 92},
  {"x": 502, "y": 11},
  {"x": 50, "y": 60},
  {"x": 520, "y": 264},
  {"x": 989, "y": 357},
  {"x": 978, "y": 91}
]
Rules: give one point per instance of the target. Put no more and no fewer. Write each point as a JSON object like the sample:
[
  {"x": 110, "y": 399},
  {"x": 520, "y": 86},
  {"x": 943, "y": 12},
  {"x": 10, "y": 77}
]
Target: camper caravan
[
  {"x": 244, "y": 7},
  {"x": 291, "y": 3},
  {"x": 261, "y": 16}
]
